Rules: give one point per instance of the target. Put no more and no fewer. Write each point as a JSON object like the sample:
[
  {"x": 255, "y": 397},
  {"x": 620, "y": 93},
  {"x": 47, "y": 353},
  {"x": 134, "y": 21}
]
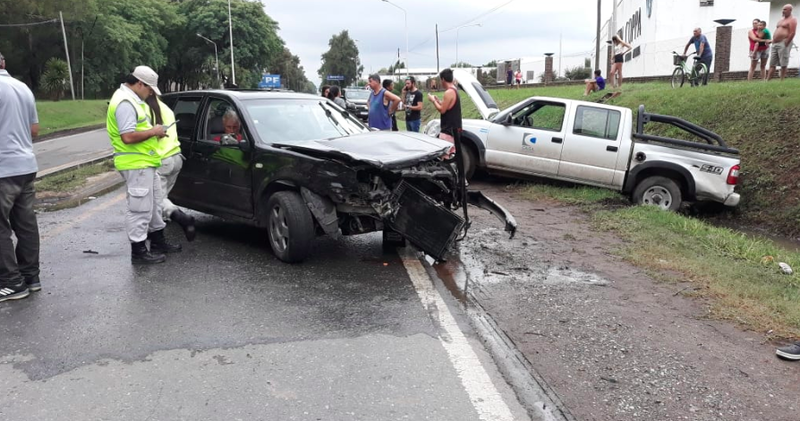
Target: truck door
[
  {"x": 591, "y": 146},
  {"x": 531, "y": 139}
]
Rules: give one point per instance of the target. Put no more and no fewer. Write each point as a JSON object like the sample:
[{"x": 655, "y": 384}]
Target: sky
[{"x": 518, "y": 28}]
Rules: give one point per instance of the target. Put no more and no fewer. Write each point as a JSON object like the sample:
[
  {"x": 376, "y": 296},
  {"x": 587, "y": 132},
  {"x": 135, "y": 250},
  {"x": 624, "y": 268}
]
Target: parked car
[
  {"x": 357, "y": 99},
  {"x": 300, "y": 166},
  {"x": 597, "y": 144}
]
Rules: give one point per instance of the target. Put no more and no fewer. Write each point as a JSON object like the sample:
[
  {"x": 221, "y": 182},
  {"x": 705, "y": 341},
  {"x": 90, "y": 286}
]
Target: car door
[
  {"x": 592, "y": 145},
  {"x": 529, "y": 140},
  {"x": 226, "y": 174},
  {"x": 187, "y": 112}
]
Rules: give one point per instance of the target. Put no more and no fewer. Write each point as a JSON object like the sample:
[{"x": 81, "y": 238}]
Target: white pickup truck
[{"x": 598, "y": 145}]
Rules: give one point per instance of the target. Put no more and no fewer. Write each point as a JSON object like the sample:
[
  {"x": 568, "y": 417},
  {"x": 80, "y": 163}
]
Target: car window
[
  {"x": 223, "y": 123},
  {"x": 357, "y": 94},
  {"x": 297, "y": 120},
  {"x": 185, "y": 110},
  {"x": 540, "y": 115},
  {"x": 597, "y": 122}
]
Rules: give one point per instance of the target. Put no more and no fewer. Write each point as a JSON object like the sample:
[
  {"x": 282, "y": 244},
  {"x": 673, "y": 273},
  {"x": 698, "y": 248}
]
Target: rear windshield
[
  {"x": 298, "y": 120},
  {"x": 357, "y": 94}
]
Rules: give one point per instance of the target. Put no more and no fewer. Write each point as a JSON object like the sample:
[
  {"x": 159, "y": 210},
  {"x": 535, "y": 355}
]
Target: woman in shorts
[{"x": 620, "y": 49}]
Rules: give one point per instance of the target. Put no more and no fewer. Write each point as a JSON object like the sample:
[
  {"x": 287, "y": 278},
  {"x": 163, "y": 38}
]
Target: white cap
[{"x": 147, "y": 76}]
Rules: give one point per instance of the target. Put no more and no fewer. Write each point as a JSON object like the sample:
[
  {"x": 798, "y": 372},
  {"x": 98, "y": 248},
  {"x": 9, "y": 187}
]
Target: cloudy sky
[{"x": 519, "y": 28}]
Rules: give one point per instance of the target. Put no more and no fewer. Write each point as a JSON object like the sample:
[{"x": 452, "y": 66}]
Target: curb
[
  {"x": 103, "y": 156},
  {"x": 68, "y": 132},
  {"x": 102, "y": 184}
]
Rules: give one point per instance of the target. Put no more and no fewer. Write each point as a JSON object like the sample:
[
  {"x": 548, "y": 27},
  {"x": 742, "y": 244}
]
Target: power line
[
  {"x": 7, "y": 25},
  {"x": 484, "y": 14}
]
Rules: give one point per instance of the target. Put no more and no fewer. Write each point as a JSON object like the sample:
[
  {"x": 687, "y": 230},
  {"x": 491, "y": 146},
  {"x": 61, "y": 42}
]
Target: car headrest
[{"x": 215, "y": 125}]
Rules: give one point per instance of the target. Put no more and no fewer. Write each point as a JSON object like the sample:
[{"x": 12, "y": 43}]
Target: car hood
[
  {"x": 483, "y": 101},
  {"x": 387, "y": 150}
]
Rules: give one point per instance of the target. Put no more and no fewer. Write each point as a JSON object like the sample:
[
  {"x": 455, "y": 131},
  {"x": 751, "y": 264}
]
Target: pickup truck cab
[{"x": 598, "y": 145}]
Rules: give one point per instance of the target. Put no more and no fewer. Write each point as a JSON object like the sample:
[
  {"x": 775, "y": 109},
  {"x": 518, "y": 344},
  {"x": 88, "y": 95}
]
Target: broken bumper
[
  {"x": 732, "y": 199},
  {"x": 478, "y": 199}
]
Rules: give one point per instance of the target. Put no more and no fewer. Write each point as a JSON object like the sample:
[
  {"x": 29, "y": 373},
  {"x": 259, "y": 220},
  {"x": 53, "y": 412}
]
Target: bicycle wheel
[
  {"x": 678, "y": 77},
  {"x": 701, "y": 72}
]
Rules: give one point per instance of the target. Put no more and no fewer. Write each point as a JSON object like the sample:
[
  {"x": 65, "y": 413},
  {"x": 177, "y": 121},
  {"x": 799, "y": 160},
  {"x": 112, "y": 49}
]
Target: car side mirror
[{"x": 507, "y": 121}]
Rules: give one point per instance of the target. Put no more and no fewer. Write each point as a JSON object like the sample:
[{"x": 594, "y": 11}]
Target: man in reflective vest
[{"x": 135, "y": 141}]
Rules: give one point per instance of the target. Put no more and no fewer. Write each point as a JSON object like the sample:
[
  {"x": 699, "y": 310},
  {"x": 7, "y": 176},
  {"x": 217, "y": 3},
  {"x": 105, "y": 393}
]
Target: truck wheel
[
  {"x": 658, "y": 191},
  {"x": 469, "y": 160},
  {"x": 392, "y": 240},
  {"x": 289, "y": 226}
]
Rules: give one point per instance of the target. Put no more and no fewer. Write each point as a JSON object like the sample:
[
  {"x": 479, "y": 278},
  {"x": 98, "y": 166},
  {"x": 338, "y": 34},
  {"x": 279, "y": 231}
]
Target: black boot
[
  {"x": 140, "y": 255},
  {"x": 159, "y": 244},
  {"x": 185, "y": 221}
]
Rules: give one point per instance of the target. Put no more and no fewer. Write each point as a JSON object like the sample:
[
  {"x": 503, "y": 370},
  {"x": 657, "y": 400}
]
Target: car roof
[{"x": 247, "y": 94}]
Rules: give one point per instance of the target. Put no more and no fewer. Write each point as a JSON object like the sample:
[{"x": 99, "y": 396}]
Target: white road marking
[{"x": 484, "y": 396}]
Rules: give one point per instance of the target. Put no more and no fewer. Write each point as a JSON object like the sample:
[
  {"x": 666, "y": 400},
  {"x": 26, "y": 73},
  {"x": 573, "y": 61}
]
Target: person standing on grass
[
  {"x": 759, "y": 38},
  {"x": 169, "y": 148},
  {"x": 509, "y": 76},
  {"x": 19, "y": 266},
  {"x": 594, "y": 85},
  {"x": 703, "y": 49},
  {"x": 518, "y": 78},
  {"x": 782, "y": 42},
  {"x": 135, "y": 140},
  {"x": 382, "y": 104},
  {"x": 620, "y": 49},
  {"x": 413, "y": 104}
]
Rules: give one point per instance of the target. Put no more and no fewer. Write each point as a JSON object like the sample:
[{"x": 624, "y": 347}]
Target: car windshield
[
  {"x": 357, "y": 94},
  {"x": 298, "y": 120}
]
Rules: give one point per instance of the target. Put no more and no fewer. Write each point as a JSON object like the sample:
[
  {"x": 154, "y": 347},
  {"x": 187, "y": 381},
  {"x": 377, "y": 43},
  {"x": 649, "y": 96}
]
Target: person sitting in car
[{"x": 233, "y": 127}]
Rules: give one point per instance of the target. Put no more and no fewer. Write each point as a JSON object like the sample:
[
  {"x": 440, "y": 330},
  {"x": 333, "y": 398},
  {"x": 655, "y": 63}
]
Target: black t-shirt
[
  {"x": 451, "y": 119},
  {"x": 412, "y": 99}
]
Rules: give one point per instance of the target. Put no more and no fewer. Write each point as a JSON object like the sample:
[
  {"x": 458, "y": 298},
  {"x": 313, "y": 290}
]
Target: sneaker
[
  {"x": 14, "y": 292},
  {"x": 789, "y": 352},
  {"x": 33, "y": 283}
]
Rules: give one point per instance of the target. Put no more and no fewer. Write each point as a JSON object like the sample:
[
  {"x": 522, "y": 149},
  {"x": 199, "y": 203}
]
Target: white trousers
[
  {"x": 144, "y": 210},
  {"x": 168, "y": 173}
]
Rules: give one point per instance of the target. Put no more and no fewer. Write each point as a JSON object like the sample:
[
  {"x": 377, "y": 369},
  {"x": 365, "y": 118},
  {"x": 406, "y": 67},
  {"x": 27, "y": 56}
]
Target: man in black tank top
[{"x": 450, "y": 107}]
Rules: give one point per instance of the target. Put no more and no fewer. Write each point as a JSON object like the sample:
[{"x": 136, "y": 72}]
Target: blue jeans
[{"x": 413, "y": 125}]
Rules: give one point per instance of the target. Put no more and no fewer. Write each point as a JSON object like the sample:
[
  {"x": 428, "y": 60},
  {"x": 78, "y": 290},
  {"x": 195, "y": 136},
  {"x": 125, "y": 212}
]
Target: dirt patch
[{"x": 614, "y": 343}]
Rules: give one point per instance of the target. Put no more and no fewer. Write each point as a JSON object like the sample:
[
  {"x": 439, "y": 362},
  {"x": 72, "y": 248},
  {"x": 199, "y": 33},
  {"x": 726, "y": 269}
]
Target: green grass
[
  {"x": 67, "y": 114},
  {"x": 577, "y": 195},
  {"x": 761, "y": 119},
  {"x": 737, "y": 273},
  {"x": 72, "y": 179}
]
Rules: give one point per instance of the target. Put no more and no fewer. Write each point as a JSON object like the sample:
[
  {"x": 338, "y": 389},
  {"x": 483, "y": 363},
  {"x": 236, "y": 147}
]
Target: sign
[
  {"x": 335, "y": 77},
  {"x": 270, "y": 81}
]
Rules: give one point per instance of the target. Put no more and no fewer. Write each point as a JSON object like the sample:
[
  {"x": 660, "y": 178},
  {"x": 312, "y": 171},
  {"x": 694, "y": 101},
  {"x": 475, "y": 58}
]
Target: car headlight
[{"x": 433, "y": 128}]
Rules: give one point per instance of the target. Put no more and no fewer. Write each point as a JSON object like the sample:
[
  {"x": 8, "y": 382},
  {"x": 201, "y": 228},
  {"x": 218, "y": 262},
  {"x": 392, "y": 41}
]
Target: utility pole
[
  {"x": 597, "y": 39},
  {"x": 560, "y": 38},
  {"x": 437, "y": 48},
  {"x": 230, "y": 29},
  {"x": 66, "y": 47}
]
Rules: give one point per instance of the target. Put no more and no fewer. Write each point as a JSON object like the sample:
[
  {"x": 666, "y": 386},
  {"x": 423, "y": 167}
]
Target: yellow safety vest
[
  {"x": 137, "y": 155},
  {"x": 169, "y": 145}
]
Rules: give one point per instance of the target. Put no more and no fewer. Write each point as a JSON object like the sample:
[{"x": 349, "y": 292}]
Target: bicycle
[{"x": 696, "y": 73}]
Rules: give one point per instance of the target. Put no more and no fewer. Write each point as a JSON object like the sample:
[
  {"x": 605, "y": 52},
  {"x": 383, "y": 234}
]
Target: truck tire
[
  {"x": 470, "y": 161},
  {"x": 658, "y": 191},
  {"x": 290, "y": 227}
]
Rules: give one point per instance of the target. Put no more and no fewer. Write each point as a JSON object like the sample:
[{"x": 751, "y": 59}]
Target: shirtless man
[{"x": 782, "y": 42}]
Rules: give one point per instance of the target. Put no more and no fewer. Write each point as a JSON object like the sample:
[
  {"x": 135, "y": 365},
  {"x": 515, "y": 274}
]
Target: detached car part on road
[
  {"x": 301, "y": 166},
  {"x": 598, "y": 145}
]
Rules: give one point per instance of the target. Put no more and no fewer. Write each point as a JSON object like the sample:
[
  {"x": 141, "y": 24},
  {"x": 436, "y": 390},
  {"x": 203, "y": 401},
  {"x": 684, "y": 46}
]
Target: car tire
[
  {"x": 469, "y": 160},
  {"x": 290, "y": 227},
  {"x": 392, "y": 240},
  {"x": 658, "y": 191}
]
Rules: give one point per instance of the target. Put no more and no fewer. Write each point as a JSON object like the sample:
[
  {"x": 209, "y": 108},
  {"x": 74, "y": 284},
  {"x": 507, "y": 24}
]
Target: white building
[
  {"x": 533, "y": 67},
  {"x": 422, "y": 74},
  {"x": 656, "y": 28}
]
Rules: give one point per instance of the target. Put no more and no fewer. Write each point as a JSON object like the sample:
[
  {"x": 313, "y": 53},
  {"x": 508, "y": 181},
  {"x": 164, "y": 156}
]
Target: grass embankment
[
  {"x": 66, "y": 114},
  {"x": 73, "y": 179},
  {"x": 737, "y": 273}
]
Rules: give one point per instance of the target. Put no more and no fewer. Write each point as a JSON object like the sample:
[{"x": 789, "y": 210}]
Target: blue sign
[
  {"x": 270, "y": 81},
  {"x": 335, "y": 77}
]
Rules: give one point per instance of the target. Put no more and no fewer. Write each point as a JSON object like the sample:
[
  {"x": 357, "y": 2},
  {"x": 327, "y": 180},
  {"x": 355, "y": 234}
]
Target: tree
[
  {"x": 55, "y": 77},
  {"x": 492, "y": 63},
  {"x": 578, "y": 73},
  {"x": 461, "y": 64},
  {"x": 292, "y": 73},
  {"x": 341, "y": 59}
]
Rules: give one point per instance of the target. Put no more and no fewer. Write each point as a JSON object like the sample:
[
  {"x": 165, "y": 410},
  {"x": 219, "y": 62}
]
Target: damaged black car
[{"x": 300, "y": 166}]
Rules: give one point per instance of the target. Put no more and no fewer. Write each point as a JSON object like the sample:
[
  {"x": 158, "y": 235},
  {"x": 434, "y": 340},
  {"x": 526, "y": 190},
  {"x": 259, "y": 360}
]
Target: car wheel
[
  {"x": 469, "y": 161},
  {"x": 392, "y": 240},
  {"x": 658, "y": 191},
  {"x": 289, "y": 226}
]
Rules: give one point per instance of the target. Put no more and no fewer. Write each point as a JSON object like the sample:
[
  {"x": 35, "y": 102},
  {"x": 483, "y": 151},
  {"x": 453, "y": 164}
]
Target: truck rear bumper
[{"x": 732, "y": 199}]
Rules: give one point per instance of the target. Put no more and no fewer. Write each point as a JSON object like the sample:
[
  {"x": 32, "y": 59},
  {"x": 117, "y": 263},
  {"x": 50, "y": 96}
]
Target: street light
[
  {"x": 215, "y": 54},
  {"x": 230, "y": 28},
  {"x": 405, "y": 20},
  {"x": 457, "y": 29}
]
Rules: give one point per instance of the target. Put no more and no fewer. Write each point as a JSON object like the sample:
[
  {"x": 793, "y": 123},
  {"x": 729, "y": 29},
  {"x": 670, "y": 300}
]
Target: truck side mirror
[{"x": 507, "y": 121}]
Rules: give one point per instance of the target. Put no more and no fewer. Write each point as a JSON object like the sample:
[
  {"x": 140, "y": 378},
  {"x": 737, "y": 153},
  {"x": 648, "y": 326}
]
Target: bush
[
  {"x": 54, "y": 78},
  {"x": 578, "y": 73}
]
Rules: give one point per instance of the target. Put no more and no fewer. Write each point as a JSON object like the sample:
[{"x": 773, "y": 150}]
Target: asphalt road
[
  {"x": 224, "y": 331},
  {"x": 58, "y": 152}
]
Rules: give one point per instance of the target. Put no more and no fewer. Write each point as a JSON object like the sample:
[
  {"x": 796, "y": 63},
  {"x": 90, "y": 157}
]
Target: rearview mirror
[{"x": 507, "y": 120}]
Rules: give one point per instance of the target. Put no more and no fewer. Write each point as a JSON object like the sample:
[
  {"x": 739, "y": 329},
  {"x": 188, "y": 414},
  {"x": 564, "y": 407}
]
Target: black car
[
  {"x": 301, "y": 167},
  {"x": 357, "y": 99}
]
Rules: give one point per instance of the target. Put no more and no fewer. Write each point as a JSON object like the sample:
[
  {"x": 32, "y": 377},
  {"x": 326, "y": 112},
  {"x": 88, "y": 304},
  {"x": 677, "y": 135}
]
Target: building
[
  {"x": 657, "y": 28},
  {"x": 423, "y": 74}
]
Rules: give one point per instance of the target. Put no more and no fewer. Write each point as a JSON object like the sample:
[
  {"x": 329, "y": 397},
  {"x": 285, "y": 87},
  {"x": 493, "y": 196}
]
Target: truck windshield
[
  {"x": 298, "y": 120},
  {"x": 357, "y": 94}
]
